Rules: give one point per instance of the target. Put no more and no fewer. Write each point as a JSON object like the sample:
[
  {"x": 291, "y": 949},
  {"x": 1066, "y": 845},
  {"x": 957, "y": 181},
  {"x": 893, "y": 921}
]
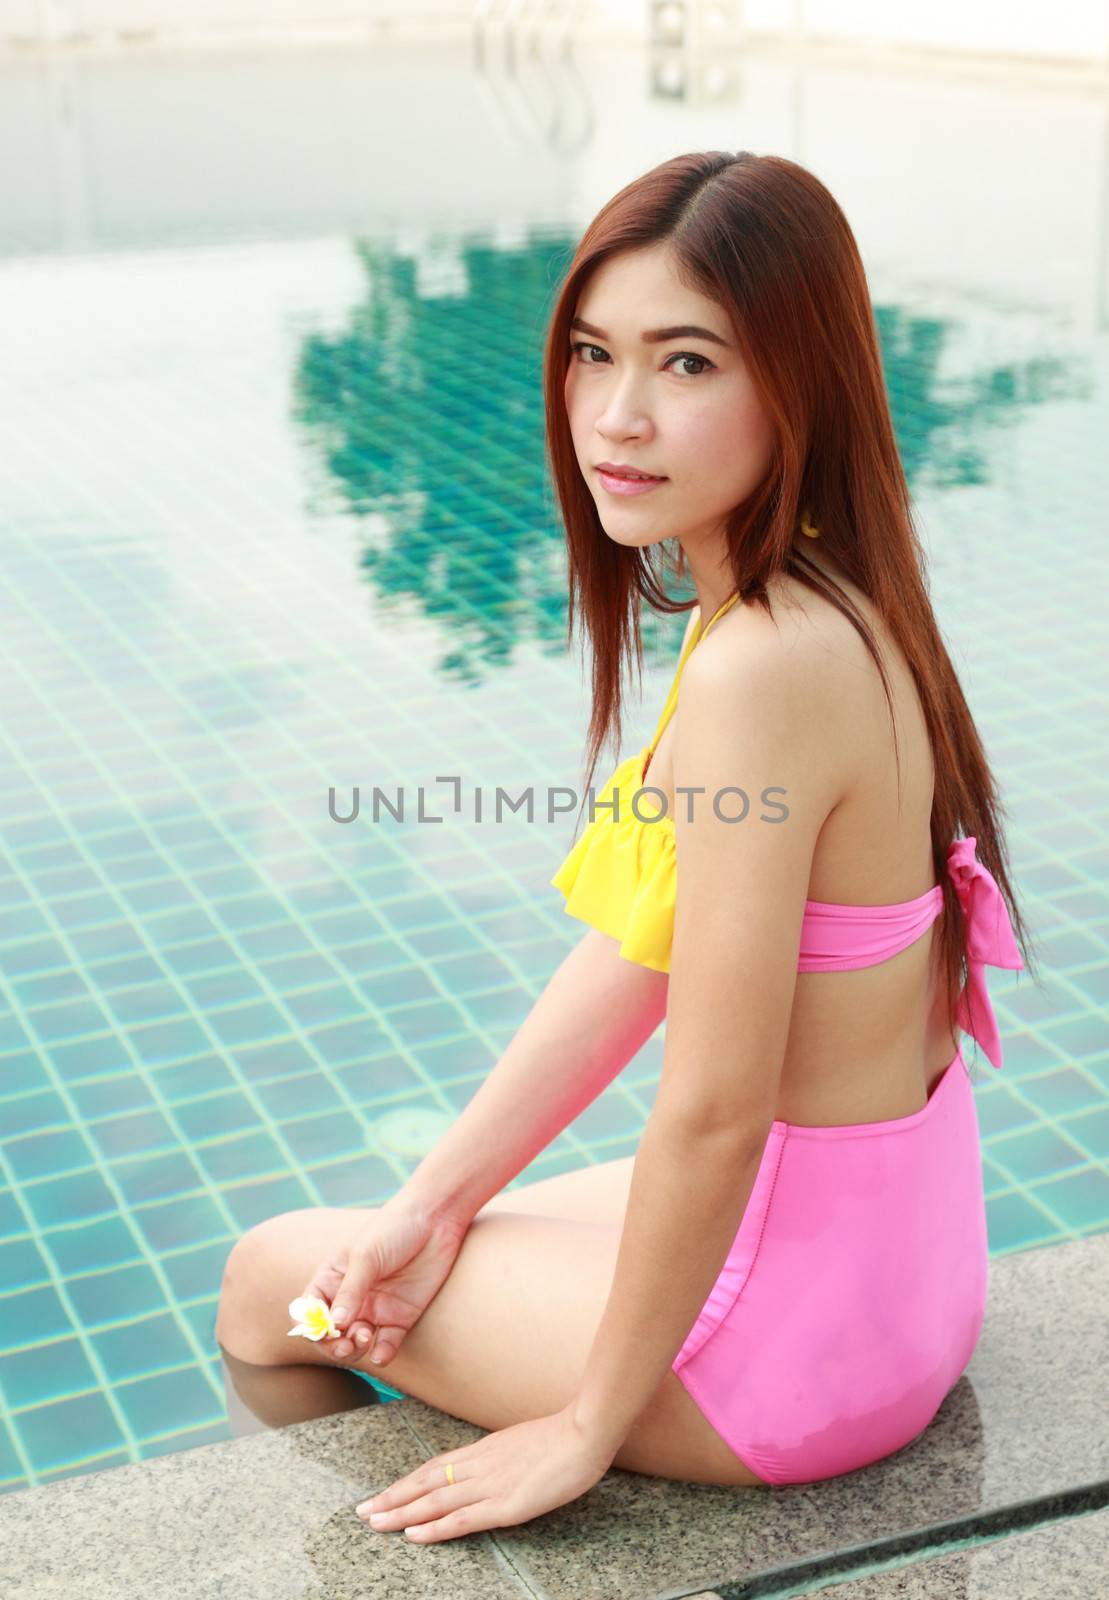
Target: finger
[
  {"x": 324, "y": 1281},
  {"x": 425, "y": 1508},
  {"x": 345, "y": 1347},
  {"x": 351, "y": 1292},
  {"x": 431, "y": 1475},
  {"x": 470, "y": 1519},
  {"x": 386, "y": 1345}
]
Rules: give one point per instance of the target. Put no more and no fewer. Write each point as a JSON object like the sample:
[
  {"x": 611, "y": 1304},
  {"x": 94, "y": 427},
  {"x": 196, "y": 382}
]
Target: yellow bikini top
[{"x": 621, "y": 875}]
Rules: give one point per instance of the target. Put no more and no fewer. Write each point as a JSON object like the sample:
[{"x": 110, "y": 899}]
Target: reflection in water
[
  {"x": 261, "y": 1397},
  {"x": 428, "y": 410}
]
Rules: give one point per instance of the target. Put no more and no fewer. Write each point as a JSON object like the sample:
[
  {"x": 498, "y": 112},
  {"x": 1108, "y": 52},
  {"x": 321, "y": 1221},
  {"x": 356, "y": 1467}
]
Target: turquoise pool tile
[
  {"x": 211, "y": 991},
  {"x": 213, "y": 1115},
  {"x": 1002, "y": 1111},
  {"x": 27, "y": 956},
  {"x": 22, "y": 1264},
  {"x": 311, "y": 901},
  {"x": 239, "y": 1026},
  {"x": 68, "y": 1021},
  {"x": 41, "y": 1309},
  {"x": 45, "y": 1372},
  {"x": 166, "y": 1402},
  {"x": 427, "y": 1021},
  {"x": 83, "y": 915},
  {"x": 203, "y": 955},
  {"x": 399, "y": 986},
  {"x": 497, "y": 1008},
  {"x": 135, "y": 1133},
  {"x": 338, "y": 928},
  {"x": 22, "y": 1071},
  {"x": 35, "y": 994},
  {"x": 361, "y": 1181},
  {"x": 124, "y": 972},
  {"x": 12, "y": 1220},
  {"x": 345, "y": 1042},
  {"x": 1066, "y": 1089},
  {"x": 200, "y": 1316},
  {"x": 245, "y": 1155},
  {"x": 221, "y": 887},
  {"x": 184, "y": 1081},
  {"x": 88, "y": 1246},
  {"x": 1089, "y": 1130},
  {"x": 13, "y": 1038},
  {"x": 249, "y": 1203},
  {"x": 1078, "y": 1037},
  {"x": 159, "y": 1043},
  {"x": 299, "y": 1096},
  {"x": 323, "y": 1138},
  {"x": 446, "y": 939},
  {"x": 40, "y": 1155},
  {"x": 147, "y": 1002},
  {"x": 135, "y": 1349},
  {"x": 277, "y": 1058},
  {"x": 1094, "y": 984},
  {"x": 106, "y": 939},
  {"x": 115, "y": 1294},
  {"x": 284, "y": 939},
  {"x": 1070, "y": 947},
  {"x": 367, "y": 1082},
  {"x": 156, "y": 1177},
  {"x": 445, "y": 1060},
  {"x": 288, "y": 973},
  {"x": 1033, "y": 1152},
  {"x": 11, "y": 1468},
  {"x": 21, "y": 922},
  {"x": 184, "y": 1220},
  {"x": 331, "y": 1003},
  {"x": 1014, "y": 1223},
  {"x": 24, "y": 1113},
  {"x": 106, "y": 1097},
  {"x": 177, "y": 925},
  {"x": 90, "y": 1058},
  {"x": 196, "y": 1272},
  {"x": 53, "y": 1433},
  {"x": 1079, "y": 1199}
]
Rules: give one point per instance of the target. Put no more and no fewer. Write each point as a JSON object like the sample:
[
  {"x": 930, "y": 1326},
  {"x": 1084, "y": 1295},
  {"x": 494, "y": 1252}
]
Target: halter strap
[{"x": 695, "y": 638}]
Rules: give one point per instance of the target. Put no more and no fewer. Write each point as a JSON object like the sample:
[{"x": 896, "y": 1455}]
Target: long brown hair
[{"x": 765, "y": 240}]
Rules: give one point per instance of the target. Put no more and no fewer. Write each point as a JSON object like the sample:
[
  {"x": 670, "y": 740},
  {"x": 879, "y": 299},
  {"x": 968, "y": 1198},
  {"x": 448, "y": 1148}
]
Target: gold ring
[{"x": 449, "y": 1470}]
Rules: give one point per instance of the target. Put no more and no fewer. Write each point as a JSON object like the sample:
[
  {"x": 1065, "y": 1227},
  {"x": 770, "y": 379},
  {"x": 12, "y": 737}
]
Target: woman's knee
[
  {"x": 255, "y": 1264},
  {"x": 268, "y": 1267}
]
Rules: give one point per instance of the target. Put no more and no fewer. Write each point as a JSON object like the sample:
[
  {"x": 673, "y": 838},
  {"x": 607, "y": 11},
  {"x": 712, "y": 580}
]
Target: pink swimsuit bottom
[{"x": 854, "y": 1292}]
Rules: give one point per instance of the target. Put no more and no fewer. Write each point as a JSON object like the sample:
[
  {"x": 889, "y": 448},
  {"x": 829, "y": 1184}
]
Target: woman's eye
[{"x": 679, "y": 355}]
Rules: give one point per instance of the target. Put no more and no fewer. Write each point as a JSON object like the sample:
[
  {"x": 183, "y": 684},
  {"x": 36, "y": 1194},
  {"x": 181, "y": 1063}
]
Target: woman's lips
[{"x": 618, "y": 485}]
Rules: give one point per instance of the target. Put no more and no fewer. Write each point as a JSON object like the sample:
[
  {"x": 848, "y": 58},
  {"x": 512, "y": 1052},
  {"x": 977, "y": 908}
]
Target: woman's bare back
[{"x": 868, "y": 1044}]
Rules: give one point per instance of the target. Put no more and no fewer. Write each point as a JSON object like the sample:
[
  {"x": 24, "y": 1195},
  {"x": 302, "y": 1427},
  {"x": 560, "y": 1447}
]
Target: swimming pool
[{"x": 275, "y": 522}]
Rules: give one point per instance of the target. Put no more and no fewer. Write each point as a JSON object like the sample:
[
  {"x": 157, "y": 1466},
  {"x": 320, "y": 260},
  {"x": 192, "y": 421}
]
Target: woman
[{"x": 790, "y": 1276}]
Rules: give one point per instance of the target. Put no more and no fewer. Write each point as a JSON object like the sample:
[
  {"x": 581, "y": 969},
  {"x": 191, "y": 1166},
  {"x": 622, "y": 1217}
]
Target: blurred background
[{"x": 274, "y": 521}]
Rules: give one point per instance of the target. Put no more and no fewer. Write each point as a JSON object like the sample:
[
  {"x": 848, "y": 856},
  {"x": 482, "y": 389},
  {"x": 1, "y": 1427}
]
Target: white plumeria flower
[{"x": 313, "y": 1319}]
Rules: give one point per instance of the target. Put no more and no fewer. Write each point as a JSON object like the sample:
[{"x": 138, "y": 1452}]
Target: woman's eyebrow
[{"x": 656, "y": 335}]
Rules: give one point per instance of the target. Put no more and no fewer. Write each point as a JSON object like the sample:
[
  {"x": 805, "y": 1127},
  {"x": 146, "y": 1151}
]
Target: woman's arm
[
  {"x": 757, "y": 711},
  {"x": 594, "y": 1014}
]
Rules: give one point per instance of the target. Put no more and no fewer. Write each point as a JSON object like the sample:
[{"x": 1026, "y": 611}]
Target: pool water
[{"x": 275, "y": 521}]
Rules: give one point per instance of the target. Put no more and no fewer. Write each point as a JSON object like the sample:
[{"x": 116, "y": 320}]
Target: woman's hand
[
  {"x": 505, "y": 1478},
  {"x": 382, "y": 1282}
]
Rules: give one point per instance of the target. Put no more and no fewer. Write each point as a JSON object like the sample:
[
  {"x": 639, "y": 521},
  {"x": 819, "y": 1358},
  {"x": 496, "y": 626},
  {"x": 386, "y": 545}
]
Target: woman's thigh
[
  {"x": 506, "y": 1338},
  {"x": 594, "y": 1193}
]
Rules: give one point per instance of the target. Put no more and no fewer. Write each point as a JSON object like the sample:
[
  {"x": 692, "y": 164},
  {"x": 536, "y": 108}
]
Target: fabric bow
[{"x": 989, "y": 938}]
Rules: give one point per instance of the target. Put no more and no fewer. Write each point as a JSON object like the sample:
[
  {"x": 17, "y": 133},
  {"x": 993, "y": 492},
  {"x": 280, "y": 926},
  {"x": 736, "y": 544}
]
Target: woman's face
[{"x": 683, "y": 407}]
